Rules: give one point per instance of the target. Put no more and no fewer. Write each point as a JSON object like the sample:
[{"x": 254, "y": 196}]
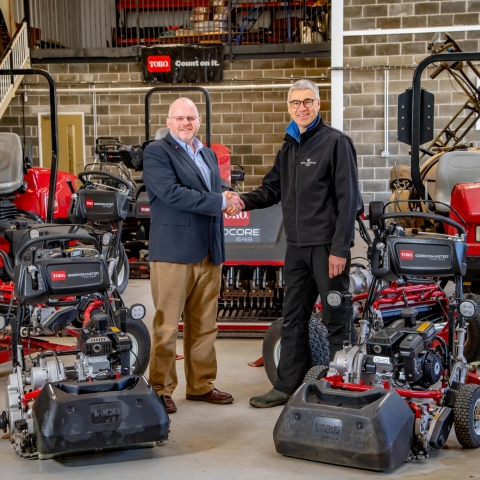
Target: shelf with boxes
[
  {"x": 147, "y": 22},
  {"x": 131, "y": 5},
  {"x": 175, "y": 21},
  {"x": 292, "y": 4}
]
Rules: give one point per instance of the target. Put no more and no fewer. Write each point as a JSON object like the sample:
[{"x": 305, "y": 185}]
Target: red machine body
[
  {"x": 35, "y": 199},
  {"x": 224, "y": 165},
  {"x": 466, "y": 201}
]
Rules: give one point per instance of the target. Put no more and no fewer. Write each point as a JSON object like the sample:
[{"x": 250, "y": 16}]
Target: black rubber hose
[{"x": 6, "y": 264}]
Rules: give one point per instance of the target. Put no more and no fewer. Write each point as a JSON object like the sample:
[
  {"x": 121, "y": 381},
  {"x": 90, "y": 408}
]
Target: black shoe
[{"x": 270, "y": 399}]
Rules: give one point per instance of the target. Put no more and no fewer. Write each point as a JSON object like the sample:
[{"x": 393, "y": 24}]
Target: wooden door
[{"x": 71, "y": 142}]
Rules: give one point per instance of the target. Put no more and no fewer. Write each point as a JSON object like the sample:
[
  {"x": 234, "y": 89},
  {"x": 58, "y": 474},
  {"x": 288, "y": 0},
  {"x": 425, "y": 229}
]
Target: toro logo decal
[
  {"x": 59, "y": 275},
  {"x": 325, "y": 427},
  {"x": 145, "y": 210},
  {"x": 89, "y": 203},
  {"x": 110, "y": 412},
  {"x": 241, "y": 219},
  {"x": 406, "y": 255},
  {"x": 159, "y": 63}
]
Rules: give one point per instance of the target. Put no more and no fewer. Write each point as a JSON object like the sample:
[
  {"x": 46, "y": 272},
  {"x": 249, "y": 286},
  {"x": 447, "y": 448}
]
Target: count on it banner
[{"x": 183, "y": 63}]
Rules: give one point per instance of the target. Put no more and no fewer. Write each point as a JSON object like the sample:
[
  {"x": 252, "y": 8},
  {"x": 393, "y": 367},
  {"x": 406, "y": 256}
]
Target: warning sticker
[{"x": 423, "y": 326}]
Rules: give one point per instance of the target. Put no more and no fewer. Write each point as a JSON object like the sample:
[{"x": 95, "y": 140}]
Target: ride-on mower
[
  {"x": 62, "y": 277},
  {"x": 450, "y": 172},
  {"x": 397, "y": 390}
]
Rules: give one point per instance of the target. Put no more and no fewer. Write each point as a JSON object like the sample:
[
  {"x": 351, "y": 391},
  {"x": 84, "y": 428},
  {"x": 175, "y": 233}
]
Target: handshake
[{"x": 234, "y": 203}]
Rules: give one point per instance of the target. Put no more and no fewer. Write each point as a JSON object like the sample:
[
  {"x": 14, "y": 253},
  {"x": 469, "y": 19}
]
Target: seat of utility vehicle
[
  {"x": 453, "y": 168},
  {"x": 11, "y": 163}
]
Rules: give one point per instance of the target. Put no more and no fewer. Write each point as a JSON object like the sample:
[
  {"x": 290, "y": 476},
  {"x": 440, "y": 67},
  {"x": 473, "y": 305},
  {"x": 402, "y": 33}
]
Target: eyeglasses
[
  {"x": 308, "y": 102},
  {"x": 181, "y": 119}
]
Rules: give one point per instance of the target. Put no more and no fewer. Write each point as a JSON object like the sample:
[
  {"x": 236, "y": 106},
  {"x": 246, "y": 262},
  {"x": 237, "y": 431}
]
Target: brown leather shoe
[
  {"x": 171, "y": 407},
  {"x": 213, "y": 396}
]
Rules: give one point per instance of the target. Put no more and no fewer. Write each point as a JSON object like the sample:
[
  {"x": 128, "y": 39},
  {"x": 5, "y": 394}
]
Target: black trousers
[{"x": 306, "y": 276}]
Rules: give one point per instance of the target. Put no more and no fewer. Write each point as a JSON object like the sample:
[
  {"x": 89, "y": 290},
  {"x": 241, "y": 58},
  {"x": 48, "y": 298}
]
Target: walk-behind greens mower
[
  {"x": 63, "y": 277},
  {"x": 396, "y": 391},
  {"x": 53, "y": 409}
]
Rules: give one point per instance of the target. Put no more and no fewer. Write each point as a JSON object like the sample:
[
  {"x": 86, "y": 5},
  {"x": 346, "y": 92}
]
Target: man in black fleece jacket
[{"x": 315, "y": 178}]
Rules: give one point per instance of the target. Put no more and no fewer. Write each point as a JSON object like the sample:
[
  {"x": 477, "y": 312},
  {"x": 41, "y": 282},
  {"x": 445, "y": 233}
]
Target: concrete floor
[{"x": 221, "y": 441}]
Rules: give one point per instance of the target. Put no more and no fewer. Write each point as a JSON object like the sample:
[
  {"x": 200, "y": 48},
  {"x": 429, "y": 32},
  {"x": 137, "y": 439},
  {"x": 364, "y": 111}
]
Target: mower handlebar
[
  {"x": 81, "y": 176},
  {"x": 431, "y": 216},
  {"x": 51, "y": 238}
]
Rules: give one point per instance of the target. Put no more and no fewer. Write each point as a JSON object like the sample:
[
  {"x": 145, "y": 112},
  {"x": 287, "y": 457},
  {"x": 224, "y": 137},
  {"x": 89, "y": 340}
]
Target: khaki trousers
[{"x": 191, "y": 288}]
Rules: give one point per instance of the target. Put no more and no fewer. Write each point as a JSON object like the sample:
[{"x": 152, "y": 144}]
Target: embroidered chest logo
[{"x": 308, "y": 163}]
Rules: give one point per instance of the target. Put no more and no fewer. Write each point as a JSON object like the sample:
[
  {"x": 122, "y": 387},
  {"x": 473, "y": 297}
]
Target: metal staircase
[
  {"x": 17, "y": 55},
  {"x": 248, "y": 20}
]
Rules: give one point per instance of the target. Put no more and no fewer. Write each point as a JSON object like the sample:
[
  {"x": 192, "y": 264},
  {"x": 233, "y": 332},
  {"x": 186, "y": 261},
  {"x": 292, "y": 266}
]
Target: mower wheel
[
  {"x": 123, "y": 270},
  {"x": 271, "y": 349},
  {"x": 375, "y": 211},
  {"x": 466, "y": 416},
  {"x": 316, "y": 373},
  {"x": 138, "y": 333},
  {"x": 319, "y": 346},
  {"x": 141, "y": 343},
  {"x": 318, "y": 339},
  {"x": 472, "y": 343}
]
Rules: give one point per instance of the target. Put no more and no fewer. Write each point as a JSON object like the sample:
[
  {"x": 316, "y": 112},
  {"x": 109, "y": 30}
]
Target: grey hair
[
  {"x": 304, "y": 85},
  {"x": 177, "y": 100}
]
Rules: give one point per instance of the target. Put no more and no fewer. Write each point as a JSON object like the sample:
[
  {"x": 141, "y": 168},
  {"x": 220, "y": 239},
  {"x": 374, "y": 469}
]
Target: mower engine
[
  {"x": 98, "y": 350},
  {"x": 101, "y": 354},
  {"x": 401, "y": 354}
]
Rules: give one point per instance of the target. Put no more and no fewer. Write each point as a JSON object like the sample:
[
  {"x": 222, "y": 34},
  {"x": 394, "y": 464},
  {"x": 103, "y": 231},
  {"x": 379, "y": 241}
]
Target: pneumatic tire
[
  {"x": 271, "y": 349},
  {"x": 316, "y": 373},
  {"x": 122, "y": 270},
  {"x": 466, "y": 416},
  {"x": 141, "y": 344},
  {"x": 318, "y": 340}
]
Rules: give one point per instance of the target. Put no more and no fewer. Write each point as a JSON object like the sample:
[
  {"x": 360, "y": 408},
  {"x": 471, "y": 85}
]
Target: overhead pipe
[{"x": 146, "y": 89}]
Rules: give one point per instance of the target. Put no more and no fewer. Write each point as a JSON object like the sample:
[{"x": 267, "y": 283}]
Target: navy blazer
[{"x": 186, "y": 218}]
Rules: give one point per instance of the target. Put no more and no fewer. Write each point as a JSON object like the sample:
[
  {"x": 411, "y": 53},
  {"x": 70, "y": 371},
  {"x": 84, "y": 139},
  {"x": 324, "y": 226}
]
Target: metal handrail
[{"x": 15, "y": 57}]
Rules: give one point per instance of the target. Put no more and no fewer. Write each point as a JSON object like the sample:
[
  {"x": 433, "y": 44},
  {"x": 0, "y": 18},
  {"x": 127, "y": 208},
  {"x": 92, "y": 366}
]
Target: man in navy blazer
[{"x": 186, "y": 251}]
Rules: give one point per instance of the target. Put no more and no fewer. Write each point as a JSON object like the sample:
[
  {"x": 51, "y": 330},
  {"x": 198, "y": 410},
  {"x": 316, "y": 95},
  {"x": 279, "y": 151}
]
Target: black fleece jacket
[{"x": 317, "y": 182}]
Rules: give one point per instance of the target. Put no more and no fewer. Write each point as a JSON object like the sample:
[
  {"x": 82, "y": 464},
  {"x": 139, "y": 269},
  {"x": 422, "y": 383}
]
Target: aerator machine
[
  {"x": 53, "y": 409},
  {"x": 395, "y": 392}
]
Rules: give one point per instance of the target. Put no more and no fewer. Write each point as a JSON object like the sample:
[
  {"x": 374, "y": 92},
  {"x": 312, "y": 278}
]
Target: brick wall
[
  {"x": 250, "y": 122},
  {"x": 365, "y": 61}
]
